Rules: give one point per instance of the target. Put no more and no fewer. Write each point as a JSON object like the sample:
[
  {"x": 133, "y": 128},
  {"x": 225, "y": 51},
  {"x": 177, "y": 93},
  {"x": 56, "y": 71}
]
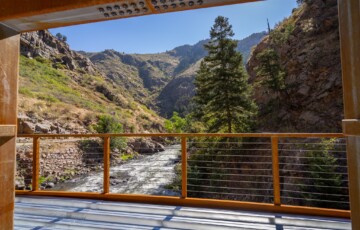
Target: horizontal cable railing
[{"x": 279, "y": 172}]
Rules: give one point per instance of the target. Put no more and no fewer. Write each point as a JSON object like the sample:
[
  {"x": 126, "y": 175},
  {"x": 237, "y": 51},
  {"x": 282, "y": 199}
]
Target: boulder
[
  {"x": 43, "y": 128},
  {"x": 20, "y": 183},
  {"x": 26, "y": 127},
  {"x": 146, "y": 146}
]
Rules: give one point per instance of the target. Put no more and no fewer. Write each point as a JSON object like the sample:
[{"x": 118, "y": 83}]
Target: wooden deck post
[
  {"x": 183, "y": 168},
  {"x": 349, "y": 18},
  {"x": 36, "y": 164},
  {"x": 275, "y": 169},
  {"x": 106, "y": 182},
  {"x": 9, "y": 70}
]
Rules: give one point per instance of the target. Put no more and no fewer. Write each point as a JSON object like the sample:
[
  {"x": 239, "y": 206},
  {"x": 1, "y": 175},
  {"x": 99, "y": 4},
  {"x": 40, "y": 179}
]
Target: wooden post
[
  {"x": 183, "y": 168},
  {"x": 349, "y": 18},
  {"x": 106, "y": 185},
  {"x": 275, "y": 169},
  {"x": 36, "y": 164},
  {"x": 9, "y": 70}
]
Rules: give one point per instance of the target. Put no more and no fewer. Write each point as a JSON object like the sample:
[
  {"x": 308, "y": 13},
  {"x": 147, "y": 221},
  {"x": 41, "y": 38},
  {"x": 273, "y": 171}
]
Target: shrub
[
  {"x": 175, "y": 124},
  {"x": 326, "y": 190},
  {"x": 281, "y": 34},
  {"x": 108, "y": 124}
]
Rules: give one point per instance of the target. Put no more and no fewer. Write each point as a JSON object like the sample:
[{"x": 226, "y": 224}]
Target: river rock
[
  {"x": 19, "y": 184},
  {"x": 146, "y": 146},
  {"x": 43, "y": 128},
  {"x": 50, "y": 185},
  {"x": 25, "y": 127}
]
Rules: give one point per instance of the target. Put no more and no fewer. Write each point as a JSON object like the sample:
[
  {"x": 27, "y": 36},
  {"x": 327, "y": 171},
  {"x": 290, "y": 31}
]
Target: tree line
[{"x": 223, "y": 103}]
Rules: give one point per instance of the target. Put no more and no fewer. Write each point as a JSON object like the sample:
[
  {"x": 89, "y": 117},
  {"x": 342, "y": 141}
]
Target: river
[{"x": 149, "y": 174}]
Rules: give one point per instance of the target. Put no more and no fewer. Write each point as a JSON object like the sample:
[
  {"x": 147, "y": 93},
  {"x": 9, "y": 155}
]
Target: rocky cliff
[
  {"x": 63, "y": 91},
  {"x": 307, "y": 44},
  {"x": 44, "y": 44}
]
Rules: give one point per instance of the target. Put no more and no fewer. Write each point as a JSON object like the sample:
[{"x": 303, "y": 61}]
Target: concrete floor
[{"x": 66, "y": 213}]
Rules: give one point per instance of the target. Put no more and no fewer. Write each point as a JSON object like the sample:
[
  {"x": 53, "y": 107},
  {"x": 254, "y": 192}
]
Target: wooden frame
[
  {"x": 349, "y": 17},
  {"x": 24, "y": 11},
  {"x": 20, "y": 8},
  {"x": 9, "y": 71}
]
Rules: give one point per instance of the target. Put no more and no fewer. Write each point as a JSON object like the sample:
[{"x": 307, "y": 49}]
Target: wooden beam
[
  {"x": 26, "y": 8},
  {"x": 349, "y": 18},
  {"x": 26, "y": 15},
  {"x": 9, "y": 62}
]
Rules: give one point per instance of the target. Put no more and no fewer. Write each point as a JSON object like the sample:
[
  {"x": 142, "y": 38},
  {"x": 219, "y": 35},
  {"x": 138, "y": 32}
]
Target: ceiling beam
[{"x": 30, "y": 15}]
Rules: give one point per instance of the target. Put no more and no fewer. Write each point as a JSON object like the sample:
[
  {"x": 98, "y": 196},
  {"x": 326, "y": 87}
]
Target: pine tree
[
  {"x": 223, "y": 95},
  {"x": 270, "y": 69}
]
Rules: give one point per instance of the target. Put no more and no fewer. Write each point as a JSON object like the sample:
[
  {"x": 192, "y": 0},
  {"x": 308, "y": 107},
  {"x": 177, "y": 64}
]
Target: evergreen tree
[
  {"x": 59, "y": 36},
  {"x": 223, "y": 95},
  {"x": 270, "y": 68}
]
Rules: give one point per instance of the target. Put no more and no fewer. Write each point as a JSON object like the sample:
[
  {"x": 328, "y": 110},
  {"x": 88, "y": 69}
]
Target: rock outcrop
[
  {"x": 308, "y": 47},
  {"x": 42, "y": 43}
]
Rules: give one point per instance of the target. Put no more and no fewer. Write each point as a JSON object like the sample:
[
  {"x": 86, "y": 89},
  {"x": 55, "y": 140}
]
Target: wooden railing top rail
[{"x": 283, "y": 135}]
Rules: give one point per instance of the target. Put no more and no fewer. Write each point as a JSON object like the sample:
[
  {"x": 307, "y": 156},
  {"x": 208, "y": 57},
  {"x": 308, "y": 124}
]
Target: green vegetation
[
  {"x": 326, "y": 180},
  {"x": 126, "y": 157},
  {"x": 40, "y": 80},
  {"x": 61, "y": 37},
  {"x": 108, "y": 124},
  {"x": 175, "y": 124},
  {"x": 280, "y": 35},
  {"x": 223, "y": 96},
  {"x": 270, "y": 69}
]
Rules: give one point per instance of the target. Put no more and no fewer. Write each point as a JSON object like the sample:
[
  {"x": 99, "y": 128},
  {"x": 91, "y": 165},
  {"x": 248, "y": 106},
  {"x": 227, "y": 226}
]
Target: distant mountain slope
[
  {"x": 177, "y": 94},
  {"x": 245, "y": 45}
]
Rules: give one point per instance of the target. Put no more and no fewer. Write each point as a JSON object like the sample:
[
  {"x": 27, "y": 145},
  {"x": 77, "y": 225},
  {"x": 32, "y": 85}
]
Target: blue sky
[{"x": 158, "y": 33}]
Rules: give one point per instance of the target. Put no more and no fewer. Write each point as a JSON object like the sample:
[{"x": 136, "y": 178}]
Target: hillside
[
  {"x": 62, "y": 91},
  {"x": 162, "y": 81},
  {"x": 177, "y": 94},
  {"x": 307, "y": 46}
]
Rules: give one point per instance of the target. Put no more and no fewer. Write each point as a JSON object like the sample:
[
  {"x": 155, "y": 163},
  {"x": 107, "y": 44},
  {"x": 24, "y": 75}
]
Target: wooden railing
[{"x": 276, "y": 206}]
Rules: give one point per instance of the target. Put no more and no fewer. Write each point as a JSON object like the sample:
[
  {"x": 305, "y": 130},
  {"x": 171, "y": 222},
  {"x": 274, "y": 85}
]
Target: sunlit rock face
[
  {"x": 310, "y": 55},
  {"x": 42, "y": 43}
]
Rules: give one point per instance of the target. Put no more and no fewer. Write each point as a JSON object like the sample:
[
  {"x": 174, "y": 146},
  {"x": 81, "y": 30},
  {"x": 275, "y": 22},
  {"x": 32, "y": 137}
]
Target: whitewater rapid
[{"x": 147, "y": 175}]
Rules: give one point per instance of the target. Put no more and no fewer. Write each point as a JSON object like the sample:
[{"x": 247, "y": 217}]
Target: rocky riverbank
[{"x": 63, "y": 159}]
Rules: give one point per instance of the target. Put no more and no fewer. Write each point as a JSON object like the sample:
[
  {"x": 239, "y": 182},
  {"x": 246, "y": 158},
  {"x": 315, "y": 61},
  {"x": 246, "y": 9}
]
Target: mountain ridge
[{"x": 164, "y": 79}]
